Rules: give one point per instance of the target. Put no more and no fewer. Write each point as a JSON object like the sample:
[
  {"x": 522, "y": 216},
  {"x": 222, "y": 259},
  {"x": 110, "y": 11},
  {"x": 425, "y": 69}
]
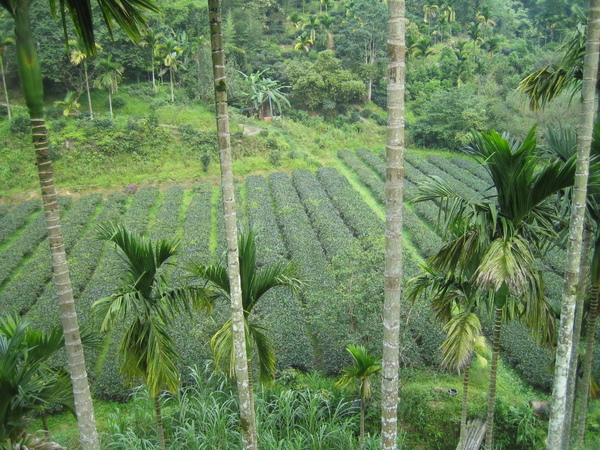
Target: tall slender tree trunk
[
  {"x": 589, "y": 352},
  {"x": 4, "y": 86},
  {"x": 31, "y": 80},
  {"x": 579, "y": 309},
  {"x": 152, "y": 63},
  {"x": 171, "y": 83},
  {"x": 489, "y": 434},
  {"x": 247, "y": 418},
  {"x": 393, "y": 224},
  {"x": 87, "y": 89},
  {"x": 362, "y": 424},
  {"x": 110, "y": 108},
  {"x": 465, "y": 409},
  {"x": 564, "y": 349},
  {"x": 159, "y": 423}
]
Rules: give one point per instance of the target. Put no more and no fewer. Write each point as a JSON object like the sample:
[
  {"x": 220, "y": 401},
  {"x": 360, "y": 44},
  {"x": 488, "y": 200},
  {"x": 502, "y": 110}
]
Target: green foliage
[
  {"x": 449, "y": 118},
  {"x": 314, "y": 84},
  {"x": 16, "y": 218},
  {"x": 20, "y": 125}
]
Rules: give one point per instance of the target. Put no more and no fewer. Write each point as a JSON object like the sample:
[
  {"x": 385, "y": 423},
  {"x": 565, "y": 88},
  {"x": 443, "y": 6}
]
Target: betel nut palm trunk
[
  {"x": 247, "y": 417},
  {"x": 564, "y": 349},
  {"x": 393, "y": 227},
  {"x": 31, "y": 81}
]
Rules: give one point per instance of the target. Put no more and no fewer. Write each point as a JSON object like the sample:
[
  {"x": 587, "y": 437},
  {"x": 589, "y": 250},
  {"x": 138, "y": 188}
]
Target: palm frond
[
  {"x": 264, "y": 351},
  {"x": 462, "y": 332},
  {"x": 127, "y": 14}
]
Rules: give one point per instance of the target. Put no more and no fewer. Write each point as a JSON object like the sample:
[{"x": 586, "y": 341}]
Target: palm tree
[
  {"x": 263, "y": 93},
  {"x": 327, "y": 23},
  {"x": 27, "y": 383},
  {"x": 312, "y": 26},
  {"x": 70, "y": 104},
  {"x": 128, "y": 16},
  {"x": 549, "y": 82},
  {"x": 152, "y": 40},
  {"x": 147, "y": 304},
  {"x": 502, "y": 236},
  {"x": 110, "y": 74},
  {"x": 4, "y": 43},
  {"x": 304, "y": 42},
  {"x": 79, "y": 55},
  {"x": 393, "y": 224},
  {"x": 455, "y": 303},
  {"x": 358, "y": 378},
  {"x": 171, "y": 50},
  {"x": 296, "y": 19},
  {"x": 255, "y": 283},
  {"x": 247, "y": 416}
]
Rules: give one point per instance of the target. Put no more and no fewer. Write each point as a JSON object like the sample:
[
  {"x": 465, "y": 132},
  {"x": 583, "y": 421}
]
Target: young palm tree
[
  {"x": 393, "y": 224},
  {"x": 27, "y": 383},
  {"x": 502, "y": 235},
  {"x": 171, "y": 50},
  {"x": 129, "y": 17},
  {"x": 247, "y": 416},
  {"x": 455, "y": 304},
  {"x": 147, "y": 304},
  {"x": 255, "y": 283},
  {"x": 110, "y": 74},
  {"x": 79, "y": 55},
  {"x": 4, "y": 43},
  {"x": 263, "y": 93},
  {"x": 304, "y": 42},
  {"x": 358, "y": 378},
  {"x": 152, "y": 40},
  {"x": 70, "y": 104}
]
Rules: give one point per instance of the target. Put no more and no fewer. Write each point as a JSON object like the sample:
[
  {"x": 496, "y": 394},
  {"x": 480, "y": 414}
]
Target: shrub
[
  {"x": 20, "y": 124},
  {"x": 117, "y": 102}
]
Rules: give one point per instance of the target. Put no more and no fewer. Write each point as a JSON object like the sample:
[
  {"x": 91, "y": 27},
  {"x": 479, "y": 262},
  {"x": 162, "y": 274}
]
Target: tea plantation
[{"x": 316, "y": 219}]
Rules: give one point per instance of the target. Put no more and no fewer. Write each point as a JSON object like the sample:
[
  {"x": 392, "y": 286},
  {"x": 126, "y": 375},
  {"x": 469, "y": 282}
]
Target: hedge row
[
  {"x": 20, "y": 292},
  {"x": 458, "y": 173},
  {"x": 168, "y": 214},
  {"x": 191, "y": 334},
  {"x": 3, "y": 210},
  {"x": 423, "y": 237},
  {"x": 429, "y": 170},
  {"x": 366, "y": 175},
  {"x": 22, "y": 246},
  {"x": 261, "y": 217},
  {"x": 374, "y": 161},
  {"x": 17, "y": 217},
  {"x": 335, "y": 237},
  {"x": 280, "y": 311},
  {"x": 83, "y": 259},
  {"x": 474, "y": 168},
  {"x": 358, "y": 216},
  {"x": 328, "y": 334}
]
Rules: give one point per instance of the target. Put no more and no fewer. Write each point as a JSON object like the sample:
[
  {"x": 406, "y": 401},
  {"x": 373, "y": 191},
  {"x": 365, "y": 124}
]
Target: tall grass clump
[{"x": 205, "y": 414}]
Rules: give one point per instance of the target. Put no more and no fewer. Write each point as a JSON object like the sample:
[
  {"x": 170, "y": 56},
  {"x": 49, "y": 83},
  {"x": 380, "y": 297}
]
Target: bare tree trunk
[
  {"x": 4, "y": 86},
  {"x": 87, "y": 89},
  {"x": 489, "y": 434},
  {"x": 110, "y": 105},
  {"x": 587, "y": 366},
  {"x": 362, "y": 424},
  {"x": 31, "y": 80},
  {"x": 247, "y": 418},
  {"x": 579, "y": 308},
  {"x": 564, "y": 349},
  {"x": 159, "y": 423},
  {"x": 393, "y": 224},
  {"x": 465, "y": 409}
]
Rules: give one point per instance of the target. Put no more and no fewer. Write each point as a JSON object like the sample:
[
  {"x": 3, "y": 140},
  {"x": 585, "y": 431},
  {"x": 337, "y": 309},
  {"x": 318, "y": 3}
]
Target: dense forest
[{"x": 133, "y": 142}]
